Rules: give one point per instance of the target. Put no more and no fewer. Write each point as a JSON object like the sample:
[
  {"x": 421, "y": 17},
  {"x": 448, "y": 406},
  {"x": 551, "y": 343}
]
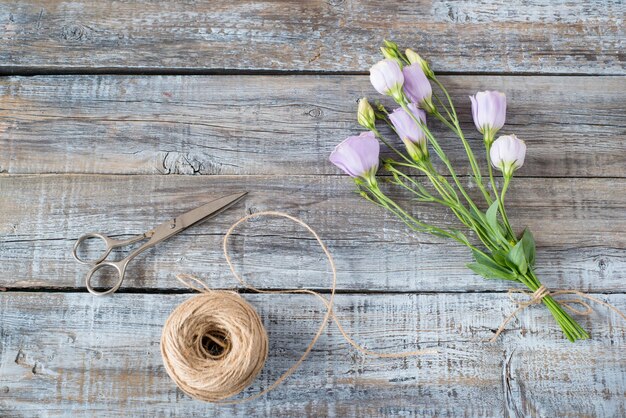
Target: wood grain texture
[
  {"x": 68, "y": 354},
  {"x": 574, "y": 126},
  {"x": 334, "y": 35},
  {"x": 579, "y": 225}
]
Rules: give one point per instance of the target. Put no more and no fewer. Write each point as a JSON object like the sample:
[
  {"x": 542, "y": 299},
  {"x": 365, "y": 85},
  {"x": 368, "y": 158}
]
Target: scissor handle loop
[
  {"x": 119, "y": 266},
  {"x": 107, "y": 241}
]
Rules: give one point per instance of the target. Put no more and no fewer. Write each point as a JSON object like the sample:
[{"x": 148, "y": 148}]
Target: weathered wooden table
[{"x": 115, "y": 116}]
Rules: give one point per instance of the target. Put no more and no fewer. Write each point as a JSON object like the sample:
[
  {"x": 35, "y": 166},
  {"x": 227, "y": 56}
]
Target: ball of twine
[{"x": 214, "y": 345}]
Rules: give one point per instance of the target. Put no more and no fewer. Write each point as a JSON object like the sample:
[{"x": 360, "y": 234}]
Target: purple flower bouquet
[{"x": 406, "y": 78}]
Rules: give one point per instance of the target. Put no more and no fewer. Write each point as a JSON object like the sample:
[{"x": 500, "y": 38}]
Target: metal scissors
[{"x": 154, "y": 236}]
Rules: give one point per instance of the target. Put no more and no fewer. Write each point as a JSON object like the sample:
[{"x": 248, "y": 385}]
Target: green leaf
[
  {"x": 489, "y": 272},
  {"x": 484, "y": 259},
  {"x": 492, "y": 216},
  {"x": 528, "y": 242},
  {"x": 517, "y": 257},
  {"x": 460, "y": 235},
  {"x": 492, "y": 221},
  {"x": 489, "y": 262},
  {"x": 500, "y": 257},
  {"x": 477, "y": 215}
]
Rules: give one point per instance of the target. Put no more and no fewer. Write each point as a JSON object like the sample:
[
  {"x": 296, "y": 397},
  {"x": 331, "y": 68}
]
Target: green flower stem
[
  {"x": 410, "y": 163},
  {"x": 445, "y": 121},
  {"x": 443, "y": 187},
  {"x": 444, "y": 183},
  {"x": 421, "y": 225},
  {"x": 408, "y": 219},
  {"x": 428, "y": 169},
  {"x": 459, "y": 210},
  {"x": 422, "y": 197},
  {"x": 388, "y": 122},
  {"x": 443, "y": 89},
  {"x": 572, "y": 330},
  {"x": 465, "y": 220},
  {"x": 505, "y": 218},
  {"x": 446, "y": 200},
  {"x": 383, "y": 204},
  {"x": 443, "y": 106},
  {"x": 470, "y": 154},
  {"x": 432, "y": 175},
  {"x": 478, "y": 227},
  {"x": 488, "y": 150},
  {"x": 441, "y": 155},
  {"x": 451, "y": 201},
  {"x": 471, "y": 157},
  {"x": 445, "y": 190},
  {"x": 394, "y": 149},
  {"x": 457, "y": 129},
  {"x": 499, "y": 196},
  {"x": 459, "y": 132}
]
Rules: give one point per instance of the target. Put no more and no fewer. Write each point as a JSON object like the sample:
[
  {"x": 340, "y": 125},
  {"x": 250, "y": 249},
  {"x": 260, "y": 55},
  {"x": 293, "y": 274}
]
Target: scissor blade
[{"x": 208, "y": 210}]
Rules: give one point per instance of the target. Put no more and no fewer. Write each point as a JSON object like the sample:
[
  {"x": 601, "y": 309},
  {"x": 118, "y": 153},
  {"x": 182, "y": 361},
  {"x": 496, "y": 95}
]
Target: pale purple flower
[
  {"x": 417, "y": 88},
  {"x": 357, "y": 156},
  {"x": 489, "y": 111},
  {"x": 405, "y": 125},
  {"x": 507, "y": 154},
  {"x": 386, "y": 77},
  {"x": 410, "y": 132}
]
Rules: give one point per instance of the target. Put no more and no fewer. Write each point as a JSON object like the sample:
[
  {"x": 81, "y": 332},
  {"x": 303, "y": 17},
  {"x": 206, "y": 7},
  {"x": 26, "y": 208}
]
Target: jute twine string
[
  {"x": 214, "y": 344},
  {"x": 538, "y": 295}
]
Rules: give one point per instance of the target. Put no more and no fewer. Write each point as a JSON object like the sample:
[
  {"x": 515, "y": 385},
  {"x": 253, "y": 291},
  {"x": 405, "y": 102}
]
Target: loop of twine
[
  {"x": 538, "y": 295},
  {"x": 214, "y": 344}
]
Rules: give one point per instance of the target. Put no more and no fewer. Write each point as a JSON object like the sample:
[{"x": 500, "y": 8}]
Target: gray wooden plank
[
  {"x": 67, "y": 354},
  {"x": 579, "y": 225},
  {"x": 538, "y": 36},
  {"x": 574, "y": 126}
]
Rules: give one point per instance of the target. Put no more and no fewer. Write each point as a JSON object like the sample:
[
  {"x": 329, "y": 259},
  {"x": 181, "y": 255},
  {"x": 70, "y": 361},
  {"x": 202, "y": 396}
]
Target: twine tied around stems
[
  {"x": 214, "y": 344},
  {"x": 538, "y": 295}
]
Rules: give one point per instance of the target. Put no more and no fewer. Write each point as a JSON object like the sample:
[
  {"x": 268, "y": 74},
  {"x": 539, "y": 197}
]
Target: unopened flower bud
[
  {"x": 390, "y": 44},
  {"x": 415, "y": 58},
  {"x": 415, "y": 150},
  {"x": 365, "y": 114},
  {"x": 390, "y": 54}
]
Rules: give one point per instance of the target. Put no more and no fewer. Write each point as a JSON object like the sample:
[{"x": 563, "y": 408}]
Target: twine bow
[{"x": 538, "y": 295}]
